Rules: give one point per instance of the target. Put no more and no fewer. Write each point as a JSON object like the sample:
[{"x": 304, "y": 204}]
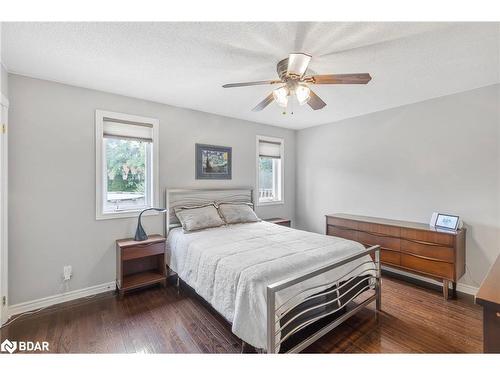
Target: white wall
[
  {"x": 52, "y": 179},
  {"x": 4, "y": 88},
  {"x": 404, "y": 163}
]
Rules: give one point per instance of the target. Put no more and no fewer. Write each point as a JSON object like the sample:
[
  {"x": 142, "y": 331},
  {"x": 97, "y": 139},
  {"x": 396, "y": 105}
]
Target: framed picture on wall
[{"x": 213, "y": 162}]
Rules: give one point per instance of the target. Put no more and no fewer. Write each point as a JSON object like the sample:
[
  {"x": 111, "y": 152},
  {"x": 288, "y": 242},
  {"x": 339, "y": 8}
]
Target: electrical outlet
[{"x": 67, "y": 272}]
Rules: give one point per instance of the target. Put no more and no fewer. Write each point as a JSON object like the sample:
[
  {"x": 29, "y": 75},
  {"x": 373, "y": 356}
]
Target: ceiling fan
[{"x": 291, "y": 73}]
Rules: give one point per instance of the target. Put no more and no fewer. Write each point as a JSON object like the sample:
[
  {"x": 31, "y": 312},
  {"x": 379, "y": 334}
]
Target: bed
[{"x": 279, "y": 288}]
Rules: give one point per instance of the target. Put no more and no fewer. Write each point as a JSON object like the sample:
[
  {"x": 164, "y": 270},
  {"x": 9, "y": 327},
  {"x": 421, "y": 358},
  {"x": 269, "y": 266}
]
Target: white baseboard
[
  {"x": 59, "y": 298},
  {"x": 464, "y": 288}
]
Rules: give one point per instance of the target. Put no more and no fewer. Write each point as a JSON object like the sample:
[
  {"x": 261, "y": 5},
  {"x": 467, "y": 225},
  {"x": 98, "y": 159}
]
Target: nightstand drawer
[{"x": 140, "y": 251}]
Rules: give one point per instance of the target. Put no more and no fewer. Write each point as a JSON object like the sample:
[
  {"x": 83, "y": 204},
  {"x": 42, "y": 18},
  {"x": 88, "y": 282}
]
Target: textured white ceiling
[{"x": 185, "y": 64}]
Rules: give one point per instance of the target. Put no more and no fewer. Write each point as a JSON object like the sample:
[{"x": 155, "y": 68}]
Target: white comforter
[{"x": 231, "y": 266}]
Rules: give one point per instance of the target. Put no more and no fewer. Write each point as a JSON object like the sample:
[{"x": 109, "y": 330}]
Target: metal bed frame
[
  {"x": 338, "y": 299},
  {"x": 275, "y": 313}
]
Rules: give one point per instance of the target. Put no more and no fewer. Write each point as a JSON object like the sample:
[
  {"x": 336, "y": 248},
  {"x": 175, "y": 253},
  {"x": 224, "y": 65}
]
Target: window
[
  {"x": 126, "y": 164},
  {"x": 270, "y": 170}
]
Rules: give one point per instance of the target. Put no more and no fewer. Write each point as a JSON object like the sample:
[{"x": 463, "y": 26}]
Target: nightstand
[
  {"x": 140, "y": 263},
  {"x": 280, "y": 221}
]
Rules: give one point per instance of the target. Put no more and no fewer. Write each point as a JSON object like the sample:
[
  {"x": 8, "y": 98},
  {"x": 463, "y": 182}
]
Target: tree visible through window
[{"x": 126, "y": 170}]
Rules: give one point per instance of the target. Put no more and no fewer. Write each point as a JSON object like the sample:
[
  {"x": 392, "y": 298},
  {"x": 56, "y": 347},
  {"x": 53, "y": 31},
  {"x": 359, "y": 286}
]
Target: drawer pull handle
[{"x": 498, "y": 314}]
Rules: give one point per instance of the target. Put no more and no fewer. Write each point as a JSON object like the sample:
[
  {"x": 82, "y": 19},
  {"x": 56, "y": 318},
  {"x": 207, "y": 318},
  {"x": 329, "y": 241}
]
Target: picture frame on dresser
[{"x": 447, "y": 222}]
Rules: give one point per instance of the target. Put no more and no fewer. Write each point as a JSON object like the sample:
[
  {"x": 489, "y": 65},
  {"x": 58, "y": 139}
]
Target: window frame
[
  {"x": 100, "y": 116},
  {"x": 282, "y": 170}
]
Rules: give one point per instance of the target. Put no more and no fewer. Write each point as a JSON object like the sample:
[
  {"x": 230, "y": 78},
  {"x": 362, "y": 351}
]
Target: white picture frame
[{"x": 447, "y": 222}]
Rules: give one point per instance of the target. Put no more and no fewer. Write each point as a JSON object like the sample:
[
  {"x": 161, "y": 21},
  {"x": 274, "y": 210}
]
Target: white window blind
[
  {"x": 140, "y": 132},
  {"x": 268, "y": 149}
]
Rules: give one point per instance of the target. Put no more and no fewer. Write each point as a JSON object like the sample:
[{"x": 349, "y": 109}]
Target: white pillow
[
  {"x": 198, "y": 218},
  {"x": 234, "y": 213}
]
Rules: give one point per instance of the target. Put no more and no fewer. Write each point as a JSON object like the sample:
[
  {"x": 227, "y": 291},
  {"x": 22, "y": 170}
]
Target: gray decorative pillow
[
  {"x": 234, "y": 213},
  {"x": 198, "y": 218}
]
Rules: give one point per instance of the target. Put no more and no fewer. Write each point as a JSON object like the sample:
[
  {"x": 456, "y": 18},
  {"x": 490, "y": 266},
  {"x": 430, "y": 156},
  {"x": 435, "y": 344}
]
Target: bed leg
[
  {"x": 378, "y": 302},
  {"x": 178, "y": 284},
  {"x": 378, "y": 289}
]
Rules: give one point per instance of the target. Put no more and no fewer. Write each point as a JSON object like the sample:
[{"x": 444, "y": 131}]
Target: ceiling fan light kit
[
  {"x": 291, "y": 72},
  {"x": 281, "y": 96},
  {"x": 303, "y": 93}
]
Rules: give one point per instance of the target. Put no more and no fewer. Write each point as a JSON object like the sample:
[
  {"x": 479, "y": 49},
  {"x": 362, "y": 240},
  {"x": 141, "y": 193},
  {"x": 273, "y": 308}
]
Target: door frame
[{"x": 4, "y": 106}]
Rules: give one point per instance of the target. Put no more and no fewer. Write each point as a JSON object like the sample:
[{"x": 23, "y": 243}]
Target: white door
[{"x": 3, "y": 209}]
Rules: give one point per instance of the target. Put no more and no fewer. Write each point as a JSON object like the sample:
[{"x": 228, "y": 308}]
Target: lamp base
[{"x": 140, "y": 234}]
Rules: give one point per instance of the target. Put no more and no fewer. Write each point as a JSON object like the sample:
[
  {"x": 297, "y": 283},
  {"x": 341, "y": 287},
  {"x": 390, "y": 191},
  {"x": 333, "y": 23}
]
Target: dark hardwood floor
[{"x": 158, "y": 320}]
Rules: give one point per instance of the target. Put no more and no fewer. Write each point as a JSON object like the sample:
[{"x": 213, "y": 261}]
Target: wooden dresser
[
  {"x": 412, "y": 247},
  {"x": 489, "y": 297}
]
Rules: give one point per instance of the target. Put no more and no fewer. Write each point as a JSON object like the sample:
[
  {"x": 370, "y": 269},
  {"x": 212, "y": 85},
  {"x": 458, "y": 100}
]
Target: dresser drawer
[
  {"x": 384, "y": 241},
  {"x": 444, "y": 239},
  {"x": 390, "y": 257},
  {"x": 428, "y": 250},
  {"x": 344, "y": 223},
  {"x": 349, "y": 234},
  {"x": 140, "y": 251},
  {"x": 429, "y": 267},
  {"x": 380, "y": 229}
]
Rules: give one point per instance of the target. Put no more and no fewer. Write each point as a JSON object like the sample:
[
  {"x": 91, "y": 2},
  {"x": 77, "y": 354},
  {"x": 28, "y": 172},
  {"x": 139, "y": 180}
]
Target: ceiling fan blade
[
  {"x": 315, "y": 101},
  {"x": 263, "y": 104},
  {"x": 355, "y": 78},
  {"x": 298, "y": 63},
  {"x": 241, "y": 84}
]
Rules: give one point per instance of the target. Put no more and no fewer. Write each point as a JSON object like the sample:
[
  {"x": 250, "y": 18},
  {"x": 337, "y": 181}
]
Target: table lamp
[{"x": 140, "y": 234}]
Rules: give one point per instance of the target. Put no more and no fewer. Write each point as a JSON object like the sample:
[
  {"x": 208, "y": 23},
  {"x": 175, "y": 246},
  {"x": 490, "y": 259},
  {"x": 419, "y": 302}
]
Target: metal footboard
[{"x": 338, "y": 299}]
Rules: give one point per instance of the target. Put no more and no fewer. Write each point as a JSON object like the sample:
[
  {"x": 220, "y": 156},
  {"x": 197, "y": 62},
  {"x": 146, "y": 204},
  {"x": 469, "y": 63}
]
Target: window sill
[
  {"x": 124, "y": 214},
  {"x": 270, "y": 203}
]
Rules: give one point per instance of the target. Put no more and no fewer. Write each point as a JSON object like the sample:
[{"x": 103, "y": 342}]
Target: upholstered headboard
[{"x": 192, "y": 197}]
